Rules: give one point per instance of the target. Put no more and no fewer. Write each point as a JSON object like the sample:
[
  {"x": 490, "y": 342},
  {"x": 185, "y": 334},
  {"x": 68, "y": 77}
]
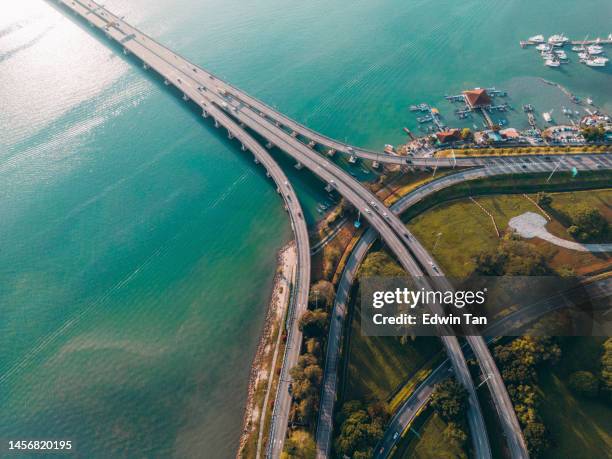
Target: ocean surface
[{"x": 137, "y": 245}]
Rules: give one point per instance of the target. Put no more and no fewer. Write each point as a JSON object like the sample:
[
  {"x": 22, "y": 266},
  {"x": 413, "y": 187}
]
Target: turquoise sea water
[{"x": 137, "y": 245}]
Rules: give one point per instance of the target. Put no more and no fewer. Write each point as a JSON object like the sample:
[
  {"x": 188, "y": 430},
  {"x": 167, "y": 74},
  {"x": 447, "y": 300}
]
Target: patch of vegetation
[
  {"x": 314, "y": 323},
  {"x": 377, "y": 366},
  {"x": 466, "y": 230},
  {"x": 449, "y": 400},
  {"x": 512, "y": 257},
  {"x": 361, "y": 428},
  {"x": 432, "y": 442},
  {"x": 306, "y": 379},
  {"x": 518, "y": 362},
  {"x": 299, "y": 445},
  {"x": 321, "y": 295},
  {"x": 580, "y": 426},
  {"x": 587, "y": 223},
  {"x": 380, "y": 264}
]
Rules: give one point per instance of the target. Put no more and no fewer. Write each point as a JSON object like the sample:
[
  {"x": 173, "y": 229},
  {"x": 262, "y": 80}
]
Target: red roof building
[
  {"x": 448, "y": 136},
  {"x": 476, "y": 98}
]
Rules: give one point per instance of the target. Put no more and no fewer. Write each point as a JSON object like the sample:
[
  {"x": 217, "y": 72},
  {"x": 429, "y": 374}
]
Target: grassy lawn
[
  {"x": 379, "y": 365},
  {"x": 431, "y": 445},
  {"x": 580, "y": 427},
  {"x": 467, "y": 230}
]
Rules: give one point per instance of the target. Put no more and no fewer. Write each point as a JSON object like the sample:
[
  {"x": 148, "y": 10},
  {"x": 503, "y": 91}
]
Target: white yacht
[
  {"x": 543, "y": 47},
  {"x": 594, "y": 49},
  {"x": 537, "y": 39},
  {"x": 552, "y": 63},
  {"x": 596, "y": 62},
  {"x": 561, "y": 54},
  {"x": 579, "y": 48},
  {"x": 547, "y": 116},
  {"x": 557, "y": 40}
]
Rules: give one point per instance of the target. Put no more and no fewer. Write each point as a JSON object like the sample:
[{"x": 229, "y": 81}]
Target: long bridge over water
[{"x": 235, "y": 110}]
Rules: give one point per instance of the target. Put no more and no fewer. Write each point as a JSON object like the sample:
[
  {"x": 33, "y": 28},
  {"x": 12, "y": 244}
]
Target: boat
[
  {"x": 547, "y": 116},
  {"x": 583, "y": 55},
  {"x": 425, "y": 119},
  {"x": 537, "y": 39},
  {"x": 578, "y": 49},
  {"x": 557, "y": 40},
  {"x": 552, "y": 63},
  {"x": 589, "y": 101},
  {"x": 543, "y": 47},
  {"x": 561, "y": 54},
  {"x": 594, "y": 49},
  {"x": 596, "y": 62}
]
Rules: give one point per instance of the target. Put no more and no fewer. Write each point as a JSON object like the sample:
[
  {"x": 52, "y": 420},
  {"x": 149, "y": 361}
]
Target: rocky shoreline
[{"x": 260, "y": 368}]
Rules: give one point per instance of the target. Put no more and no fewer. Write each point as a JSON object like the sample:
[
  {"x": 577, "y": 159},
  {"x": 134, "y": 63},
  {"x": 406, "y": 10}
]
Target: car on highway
[
  {"x": 395, "y": 435},
  {"x": 373, "y": 204},
  {"x": 386, "y": 215},
  {"x": 367, "y": 210}
]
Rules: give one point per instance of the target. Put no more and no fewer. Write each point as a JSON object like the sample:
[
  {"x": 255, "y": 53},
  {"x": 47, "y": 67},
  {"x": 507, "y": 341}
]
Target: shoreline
[{"x": 265, "y": 359}]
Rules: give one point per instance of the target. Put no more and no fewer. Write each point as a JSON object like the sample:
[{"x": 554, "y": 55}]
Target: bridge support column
[
  {"x": 230, "y": 135},
  {"x": 216, "y": 123},
  {"x": 243, "y": 147},
  {"x": 269, "y": 145},
  {"x": 166, "y": 82},
  {"x": 204, "y": 114},
  {"x": 185, "y": 97},
  {"x": 145, "y": 66},
  {"x": 125, "y": 51}
]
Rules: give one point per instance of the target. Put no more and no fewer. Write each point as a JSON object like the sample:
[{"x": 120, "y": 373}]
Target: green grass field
[
  {"x": 467, "y": 230},
  {"x": 431, "y": 445},
  {"x": 379, "y": 365}
]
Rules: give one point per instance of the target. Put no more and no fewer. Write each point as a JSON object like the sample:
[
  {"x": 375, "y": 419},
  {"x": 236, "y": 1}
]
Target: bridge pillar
[
  {"x": 269, "y": 145},
  {"x": 204, "y": 114},
  {"x": 145, "y": 66},
  {"x": 216, "y": 123},
  {"x": 230, "y": 135},
  {"x": 243, "y": 147},
  {"x": 267, "y": 174},
  {"x": 185, "y": 97},
  {"x": 125, "y": 51},
  {"x": 166, "y": 82},
  {"x": 277, "y": 124}
]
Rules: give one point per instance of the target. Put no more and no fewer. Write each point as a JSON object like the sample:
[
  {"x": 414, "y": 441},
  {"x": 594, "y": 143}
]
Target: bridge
[
  {"x": 237, "y": 111},
  {"x": 407, "y": 412}
]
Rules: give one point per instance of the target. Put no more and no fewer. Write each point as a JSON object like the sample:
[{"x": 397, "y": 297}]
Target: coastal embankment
[{"x": 263, "y": 377}]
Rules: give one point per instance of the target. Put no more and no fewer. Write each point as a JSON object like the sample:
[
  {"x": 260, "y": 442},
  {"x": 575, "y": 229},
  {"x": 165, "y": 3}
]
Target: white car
[
  {"x": 395, "y": 435},
  {"x": 367, "y": 211},
  {"x": 373, "y": 204},
  {"x": 386, "y": 215}
]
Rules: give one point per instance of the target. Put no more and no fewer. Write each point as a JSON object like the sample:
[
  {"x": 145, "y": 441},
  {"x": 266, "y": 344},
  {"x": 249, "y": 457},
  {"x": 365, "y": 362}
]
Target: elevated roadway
[
  {"x": 328, "y": 395},
  {"x": 209, "y": 94}
]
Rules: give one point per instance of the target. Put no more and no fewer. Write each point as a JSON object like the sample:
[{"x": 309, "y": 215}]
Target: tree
[
  {"x": 513, "y": 258},
  {"x": 584, "y": 383},
  {"x": 379, "y": 264},
  {"x": 587, "y": 223},
  {"x": 313, "y": 323},
  {"x": 544, "y": 199},
  {"x": 536, "y": 438},
  {"x": 360, "y": 429},
  {"x": 593, "y": 133},
  {"x": 299, "y": 445},
  {"x": 449, "y": 400},
  {"x": 606, "y": 369},
  {"x": 453, "y": 433},
  {"x": 321, "y": 295}
]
